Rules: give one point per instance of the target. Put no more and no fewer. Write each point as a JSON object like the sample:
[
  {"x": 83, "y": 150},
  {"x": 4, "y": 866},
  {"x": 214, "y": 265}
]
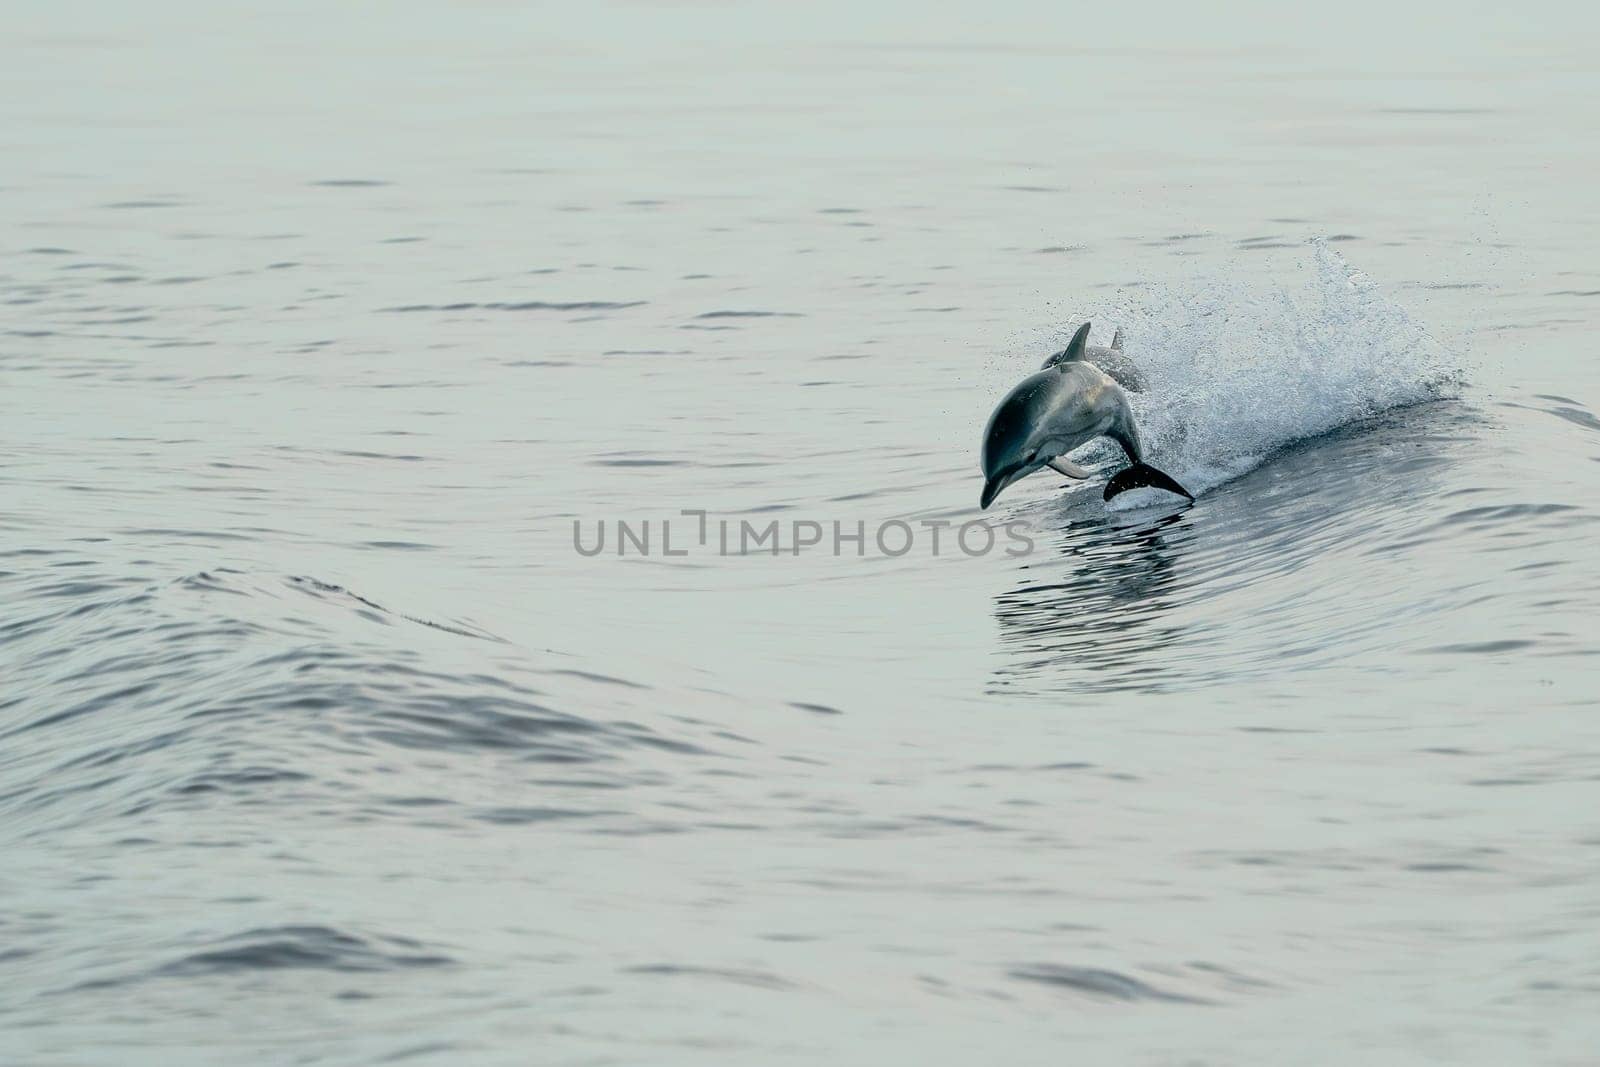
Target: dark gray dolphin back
[{"x": 1112, "y": 360}]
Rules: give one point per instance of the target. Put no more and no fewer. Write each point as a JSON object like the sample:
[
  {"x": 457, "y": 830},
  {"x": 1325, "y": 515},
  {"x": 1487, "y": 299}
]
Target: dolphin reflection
[{"x": 1100, "y": 605}]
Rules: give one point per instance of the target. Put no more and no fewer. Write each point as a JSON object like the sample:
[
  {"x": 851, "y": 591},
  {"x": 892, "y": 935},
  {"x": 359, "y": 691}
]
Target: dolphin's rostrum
[{"x": 1050, "y": 413}]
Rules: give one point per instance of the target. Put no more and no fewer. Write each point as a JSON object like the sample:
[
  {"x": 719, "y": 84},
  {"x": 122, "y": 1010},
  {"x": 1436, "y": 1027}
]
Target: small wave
[
  {"x": 756, "y": 979},
  {"x": 1106, "y": 985},
  {"x": 1563, "y": 408},
  {"x": 815, "y": 709},
  {"x": 135, "y": 205},
  {"x": 220, "y": 690},
  {"x": 526, "y": 305},
  {"x": 322, "y": 589},
  {"x": 642, "y": 461},
  {"x": 750, "y": 315},
  {"x": 307, "y": 947}
]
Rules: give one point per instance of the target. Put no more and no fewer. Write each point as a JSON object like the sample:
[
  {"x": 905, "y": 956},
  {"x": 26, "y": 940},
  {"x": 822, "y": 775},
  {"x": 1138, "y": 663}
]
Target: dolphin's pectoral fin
[
  {"x": 1116, "y": 339},
  {"x": 1140, "y": 475},
  {"x": 1063, "y": 465}
]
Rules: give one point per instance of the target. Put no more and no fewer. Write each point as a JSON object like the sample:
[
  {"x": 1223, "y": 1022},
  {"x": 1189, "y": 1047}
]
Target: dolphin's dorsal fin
[
  {"x": 1074, "y": 350},
  {"x": 1079, "y": 342},
  {"x": 1116, "y": 339}
]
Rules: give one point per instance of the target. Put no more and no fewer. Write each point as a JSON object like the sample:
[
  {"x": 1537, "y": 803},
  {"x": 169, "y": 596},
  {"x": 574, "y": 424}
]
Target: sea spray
[{"x": 1238, "y": 370}]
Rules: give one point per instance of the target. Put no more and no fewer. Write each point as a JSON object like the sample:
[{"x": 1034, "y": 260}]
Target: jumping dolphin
[
  {"x": 1111, "y": 360},
  {"x": 1052, "y": 412}
]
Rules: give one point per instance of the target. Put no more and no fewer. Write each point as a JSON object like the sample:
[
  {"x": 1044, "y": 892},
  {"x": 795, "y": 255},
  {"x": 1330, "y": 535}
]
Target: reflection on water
[{"x": 1104, "y": 615}]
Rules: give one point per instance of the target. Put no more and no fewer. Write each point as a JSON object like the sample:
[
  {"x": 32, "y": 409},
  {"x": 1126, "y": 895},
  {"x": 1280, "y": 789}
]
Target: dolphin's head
[{"x": 1014, "y": 440}]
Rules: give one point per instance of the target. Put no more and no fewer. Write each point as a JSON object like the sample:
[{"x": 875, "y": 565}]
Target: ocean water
[{"x": 334, "y": 338}]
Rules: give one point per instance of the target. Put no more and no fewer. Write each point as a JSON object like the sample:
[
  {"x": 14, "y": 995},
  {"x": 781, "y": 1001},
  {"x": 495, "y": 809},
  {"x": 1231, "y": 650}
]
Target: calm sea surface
[{"x": 324, "y": 327}]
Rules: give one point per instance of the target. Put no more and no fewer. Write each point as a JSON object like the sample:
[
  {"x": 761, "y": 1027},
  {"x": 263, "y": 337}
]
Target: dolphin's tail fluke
[{"x": 1140, "y": 475}]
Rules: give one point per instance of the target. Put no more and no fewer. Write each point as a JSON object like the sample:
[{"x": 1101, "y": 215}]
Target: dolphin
[
  {"x": 1111, "y": 360},
  {"x": 1053, "y": 411}
]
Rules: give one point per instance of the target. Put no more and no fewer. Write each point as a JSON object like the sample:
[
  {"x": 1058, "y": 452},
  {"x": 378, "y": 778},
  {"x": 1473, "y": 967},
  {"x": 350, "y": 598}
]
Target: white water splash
[{"x": 1237, "y": 371}]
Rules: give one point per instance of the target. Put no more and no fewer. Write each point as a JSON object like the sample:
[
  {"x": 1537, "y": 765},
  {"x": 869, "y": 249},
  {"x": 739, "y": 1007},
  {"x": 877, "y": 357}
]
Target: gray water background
[{"x": 321, "y": 324}]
